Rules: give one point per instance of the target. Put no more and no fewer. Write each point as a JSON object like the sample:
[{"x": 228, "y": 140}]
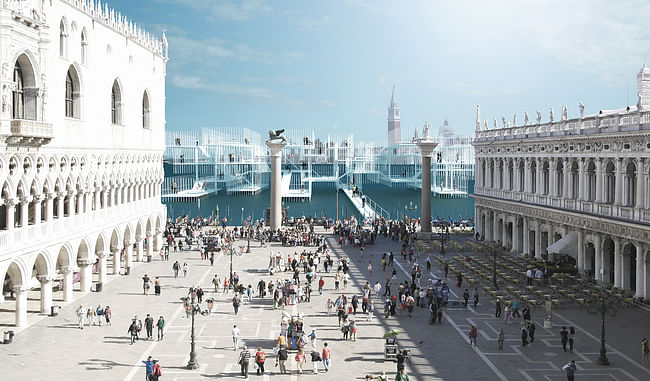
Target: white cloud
[
  {"x": 226, "y": 9},
  {"x": 200, "y": 83}
]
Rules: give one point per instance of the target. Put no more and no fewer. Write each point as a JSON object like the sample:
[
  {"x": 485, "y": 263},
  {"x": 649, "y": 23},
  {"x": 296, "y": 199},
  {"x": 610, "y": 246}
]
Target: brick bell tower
[{"x": 394, "y": 133}]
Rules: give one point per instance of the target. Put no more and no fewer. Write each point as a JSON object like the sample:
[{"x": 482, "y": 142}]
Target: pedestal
[
  {"x": 275, "y": 148},
  {"x": 426, "y": 146}
]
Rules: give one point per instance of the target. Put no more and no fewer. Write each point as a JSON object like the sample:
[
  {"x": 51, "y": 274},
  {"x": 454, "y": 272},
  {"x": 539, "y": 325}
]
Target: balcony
[{"x": 29, "y": 132}]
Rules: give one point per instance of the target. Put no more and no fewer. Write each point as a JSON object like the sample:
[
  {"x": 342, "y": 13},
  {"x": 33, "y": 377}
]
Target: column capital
[
  {"x": 45, "y": 278},
  {"x": 85, "y": 262},
  {"x": 20, "y": 289},
  {"x": 24, "y": 200},
  {"x": 101, "y": 254},
  {"x": 61, "y": 194},
  {"x": 130, "y": 243},
  {"x": 66, "y": 270}
]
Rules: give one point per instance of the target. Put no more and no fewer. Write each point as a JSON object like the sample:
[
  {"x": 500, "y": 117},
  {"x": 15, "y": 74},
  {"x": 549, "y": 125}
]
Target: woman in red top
[{"x": 260, "y": 357}]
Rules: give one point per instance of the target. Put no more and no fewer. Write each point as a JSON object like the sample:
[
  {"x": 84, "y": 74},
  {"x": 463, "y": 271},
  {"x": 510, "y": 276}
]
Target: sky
[{"x": 330, "y": 65}]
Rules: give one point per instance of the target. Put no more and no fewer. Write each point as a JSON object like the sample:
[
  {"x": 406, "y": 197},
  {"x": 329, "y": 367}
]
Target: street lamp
[
  {"x": 195, "y": 308},
  {"x": 603, "y": 308},
  {"x": 232, "y": 252},
  {"x": 242, "y": 216},
  {"x": 248, "y": 247}
]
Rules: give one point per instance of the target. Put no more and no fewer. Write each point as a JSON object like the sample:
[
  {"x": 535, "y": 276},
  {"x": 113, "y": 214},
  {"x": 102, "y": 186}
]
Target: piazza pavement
[{"x": 53, "y": 348}]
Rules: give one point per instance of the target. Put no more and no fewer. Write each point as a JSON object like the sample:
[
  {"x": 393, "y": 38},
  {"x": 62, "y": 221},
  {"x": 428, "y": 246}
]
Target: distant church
[{"x": 394, "y": 133}]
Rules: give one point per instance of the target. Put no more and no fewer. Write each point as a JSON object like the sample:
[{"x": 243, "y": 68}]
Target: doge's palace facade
[
  {"x": 82, "y": 124},
  {"x": 581, "y": 184}
]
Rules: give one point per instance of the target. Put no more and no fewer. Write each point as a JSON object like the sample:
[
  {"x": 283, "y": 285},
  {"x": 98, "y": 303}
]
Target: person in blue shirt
[
  {"x": 570, "y": 369},
  {"x": 149, "y": 363}
]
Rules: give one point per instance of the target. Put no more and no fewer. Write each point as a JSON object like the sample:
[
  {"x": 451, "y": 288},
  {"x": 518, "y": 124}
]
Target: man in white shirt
[
  {"x": 377, "y": 288},
  {"x": 529, "y": 274},
  {"x": 235, "y": 337}
]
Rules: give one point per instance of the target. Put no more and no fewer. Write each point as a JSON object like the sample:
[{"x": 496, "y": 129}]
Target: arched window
[
  {"x": 19, "y": 93},
  {"x": 630, "y": 184},
  {"x": 545, "y": 178},
  {"x": 84, "y": 47},
  {"x": 146, "y": 121},
  {"x": 575, "y": 181},
  {"x": 116, "y": 104},
  {"x": 591, "y": 181},
  {"x": 69, "y": 90},
  {"x": 72, "y": 103},
  {"x": 63, "y": 39},
  {"x": 522, "y": 172},
  {"x": 610, "y": 183}
]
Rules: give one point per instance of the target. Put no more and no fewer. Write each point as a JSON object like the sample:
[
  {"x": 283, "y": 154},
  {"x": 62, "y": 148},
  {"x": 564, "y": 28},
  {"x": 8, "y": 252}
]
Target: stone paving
[{"x": 53, "y": 348}]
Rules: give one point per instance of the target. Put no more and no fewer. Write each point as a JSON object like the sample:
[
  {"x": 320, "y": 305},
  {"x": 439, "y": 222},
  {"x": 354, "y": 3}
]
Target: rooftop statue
[
  {"x": 525, "y": 118},
  {"x": 514, "y": 121},
  {"x": 539, "y": 117},
  {"x": 503, "y": 119},
  {"x": 552, "y": 116},
  {"x": 495, "y": 124},
  {"x": 565, "y": 113},
  {"x": 277, "y": 135},
  {"x": 485, "y": 125},
  {"x": 582, "y": 109},
  {"x": 425, "y": 132}
]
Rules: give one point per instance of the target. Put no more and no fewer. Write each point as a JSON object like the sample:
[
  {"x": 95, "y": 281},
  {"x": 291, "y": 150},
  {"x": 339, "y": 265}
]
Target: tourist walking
[
  {"x": 281, "y": 359},
  {"x": 148, "y": 323},
  {"x": 564, "y": 337},
  {"x": 400, "y": 358},
  {"x": 161, "y": 327},
  {"x": 475, "y": 297},
  {"x": 515, "y": 308},
  {"x": 300, "y": 360},
  {"x": 572, "y": 338},
  {"x": 645, "y": 350},
  {"x": 473, "y": 333},
  {"x": 185, "y": 268},
  {"x": 216, "y": 282},
  {"x": 156, "y": 286},
  {"x": 236, "y": 302},
  {"x": 108, "y": 314},
  {"x": 315, "y": 359},
  {"x": 466, "y": 297},
  {"x": 524, "y": 336},
  {"x": 146, "y": 284},
  {"x": 326, "y": 356},
  {"x": 570, "y": 369},
  {"x": 508, "y": 315},
  {"x": 81, "y": 316},
  {"x": 176, "y": 267},
  {"x": 260, "y": 358},
  {"x": 500, "y": 339},
  {"x": 497, "y": 312},
  {"x": 244, "y": 360},
  {"x": 148, "y": 366},
  {"x": 531, "y": 331},
  {"x": 91, "y": 314},
  {"x": 133, "y": 330},
  {"x": 235, "y": 337},
  {"x": 401, "y": 375}
]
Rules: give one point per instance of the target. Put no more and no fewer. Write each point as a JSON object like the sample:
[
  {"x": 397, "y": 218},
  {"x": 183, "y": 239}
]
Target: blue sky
[{"x": 330, "y": 65}]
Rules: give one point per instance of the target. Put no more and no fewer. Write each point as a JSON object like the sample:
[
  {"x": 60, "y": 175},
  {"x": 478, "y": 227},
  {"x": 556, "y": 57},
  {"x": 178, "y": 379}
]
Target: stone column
[
  {"x": 86, "y": 269},
  {"x": 504, "y": 231},
  {"x": 526, "y": 236},
  {"x": 567, "y": 177},
  {"x": 103, "y": 265},
  {"x": 275, "y": 148},
  {"x": 599, "y": 258},
  {"x": 158, "y": 241},
  {"x": 61, "y": 202},
  {"x": 117, "y": 260},
  {"x": 24, "y": 212},
  {"x": 495, "y": 227},
  {"x": 128, "y": 253},
  {"x": 552, "y": 177},
  {"x": 640, "y": 185},
  {"x": 618, "y": 279},
  {"x": 582, "y": 192},
  {"x": 477, "y": 220},
  {"x": 538, "y": 240},
  {"x": 527, "y": 183},
  {"x": 46, "y": 293},
  {"x": 515, "y": 235},
  {"x": 618, "y": 191},
  {"x": 49, "y": 207},
  {"x": 539, "y": 183},
  {"x": 21, "y": 305},
  {"x": 138, "y": 249},
  {"x": 67, "y": 283},
  {"x": 426, "y": 146},
  {"x": 37, "y": 209},
  {"x": 640, "y": 270},
  {"x": 581, "y": 253},
  {"x": 149, "y": 245},
  {"x": 599, "y": 182},
  {"x": 10, "y": 215}
]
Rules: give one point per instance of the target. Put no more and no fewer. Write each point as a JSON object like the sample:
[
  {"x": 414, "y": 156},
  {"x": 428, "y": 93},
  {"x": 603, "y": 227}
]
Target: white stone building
[
  {"x": 81, "y": 143},
  {"x": 572, "y": 186}
]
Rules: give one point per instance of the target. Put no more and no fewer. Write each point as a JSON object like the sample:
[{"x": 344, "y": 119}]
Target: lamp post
[
  {"x": 242, "y": 216},
  {"x": 195, "y": 308},
  {"x": 604, "y": 308},
  {"x": 232, "y": 252},
  {"x": 250, "y": 231}
]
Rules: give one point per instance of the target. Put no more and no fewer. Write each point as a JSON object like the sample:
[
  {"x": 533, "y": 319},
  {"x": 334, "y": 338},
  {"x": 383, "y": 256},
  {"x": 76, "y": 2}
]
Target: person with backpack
[
  {"x": 176, "y": 267},
  {"x": 236, "y": 302},
  {"x": 244, "y": 359},
  {"x": 315, "y": 359},
  {"x": 645, "y": 350},
  {"x": 570, "y": 369},
  {"x": 149, "y": 364},
  {"x": 133, "y": 330},
  {"x": 260, "y": 358},
  {"x": 282, "y": 358},
  {"x": 157, "y": 372}
]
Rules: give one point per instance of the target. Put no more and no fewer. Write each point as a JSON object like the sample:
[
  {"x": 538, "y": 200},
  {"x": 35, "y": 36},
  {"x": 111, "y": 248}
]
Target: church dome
[{"x": 446, "y": 130}]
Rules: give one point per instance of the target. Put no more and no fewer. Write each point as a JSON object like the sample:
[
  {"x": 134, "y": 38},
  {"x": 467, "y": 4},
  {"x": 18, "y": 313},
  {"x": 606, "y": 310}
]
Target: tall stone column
[
  {"x": 618, "y": 259},
  {"x": 86, "y": 270},
  {"x": 101, "y": 258},
  {"x": 37, "y": 209},
  {"x": 49, "y": 207},
  {"x": 504, "y": 231},
  {"x": 60, "y": 204},
  {"x": 515, "y": 234},
  {"x": 24, "y": 212},
  {"x": 67, "y": 283},
  {"x": 581, "y": 253},
  {"x": 149, "y": 245},
  {"x": 21, "y": 305},
  {"x": 117, "y": 260},
  {"x": 567, "y": 176},
  {"x": 640, "y": 270},
  {"x": 599, "y": 257},
  {"x": 526, "y": 236},
  {"x": 618, "y": 187},
  {"x": 495, "y": 227},
  {"x": 10, "y": 214},
  {"x": 128, "y": 253},
  {"x": 46, "y": 293},
  {"x": 538, "y": 240},
  {"x": 275, "y": 149},
  {"x": 426, "y": 145},
  {"x": 639, "y": 203},
  {"x": 582, "y": 192},
  {"x": 599, "y": 181},
  {"x": 138, "y": 249}
]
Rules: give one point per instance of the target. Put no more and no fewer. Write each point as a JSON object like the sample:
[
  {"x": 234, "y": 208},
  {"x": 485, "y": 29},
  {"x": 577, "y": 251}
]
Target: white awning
[{"x": 567, "y": 245}]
